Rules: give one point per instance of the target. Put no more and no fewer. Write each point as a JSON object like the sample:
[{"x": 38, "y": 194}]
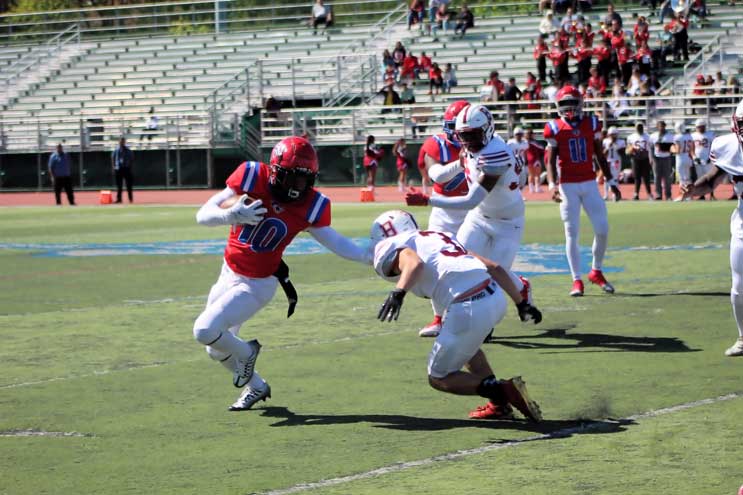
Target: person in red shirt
[
  {"x": 415, "y": 14},
  {"x": 540, "y": 52},
  {"x": 678, "y": 28},
  {"x": 559, "y": 57},
  {"x": 269, "y": 205},
  {"x": 583, "y": 55},
  {"x": 585, "y": 34},
  {"x": 563, "y": 37},
  {"x": 372, "y": 155},
  {"x": 493, "y": 80},
  {"x": 435, "y": 79},
  {"x": 596, "y": 83},
  {"x": 534, "y": 161},
  {"x": 574, "y": 140},
  {"x": 644, "y": 57},
  {"x": 625, "y": 61},
  {"x": 603, "y": 54},
  {"x": 699, "y": 86},
  {"x": 424, "y": 62},
  {"x": 410, "y": 68},
  {"x": 641, "y": 31}
]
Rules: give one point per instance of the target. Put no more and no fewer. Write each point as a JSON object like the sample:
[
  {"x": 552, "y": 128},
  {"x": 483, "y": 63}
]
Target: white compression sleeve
[
  {"x": 340, "y": 244},
  {"x": 474, "y": 197},
  {"x": 444, "y": 173},
  {"x": 210, "y": 214}
]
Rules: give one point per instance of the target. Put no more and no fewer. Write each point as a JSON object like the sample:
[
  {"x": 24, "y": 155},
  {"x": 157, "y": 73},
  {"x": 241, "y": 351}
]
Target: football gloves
[
  {"x": 250, "y": 214},
  {"x": 416, "y": 198},
  {"x": 527, "y": 312},
  {"x": 391, "y": 308}
]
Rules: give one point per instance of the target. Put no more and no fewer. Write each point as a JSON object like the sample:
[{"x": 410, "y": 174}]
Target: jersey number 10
[{"x": 265, "y": 236}]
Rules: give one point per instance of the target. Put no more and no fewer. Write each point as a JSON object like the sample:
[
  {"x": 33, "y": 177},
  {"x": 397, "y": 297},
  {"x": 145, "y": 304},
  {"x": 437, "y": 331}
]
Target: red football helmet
[
  {"x": 569, "y": 103},
  {"x": 294, "y": 169},
  {"x": 450, "y": 118},
  {"x": 737, "y": 122}
]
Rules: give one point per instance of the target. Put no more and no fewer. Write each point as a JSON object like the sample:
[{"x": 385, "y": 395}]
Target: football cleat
[
  {"x": 492, "y": 411},
  {"x": 736, "y": 349},
  {"x": 432, "y": 329},
  {"x": 244, "y": 367},
  {"x": 577, "y": 290},
  {"x": 515, "y": 392},
  {"x": 526, "y": 291},
  {"x": 249, "y": 397},
  {"x": 596, "y": 277}
]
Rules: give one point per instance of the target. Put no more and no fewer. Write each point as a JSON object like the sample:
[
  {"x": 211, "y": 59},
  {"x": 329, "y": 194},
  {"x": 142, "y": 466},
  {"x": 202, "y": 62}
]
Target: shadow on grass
[
  {"x": 606, "y": 342},
  {"x": 552, "y": 428}
]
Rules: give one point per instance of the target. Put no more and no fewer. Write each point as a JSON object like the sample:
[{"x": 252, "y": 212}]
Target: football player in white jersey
[
  {"x": 726, "y": 157},
  {"x": 702, "y": 143},
  {"x": 683, "y": 148},
  {"x": 494, "y": 225},
  {"x": 471, "y": 289},
  {"x": 613, "y": 151},
  {"x": 518, "y": 144}
]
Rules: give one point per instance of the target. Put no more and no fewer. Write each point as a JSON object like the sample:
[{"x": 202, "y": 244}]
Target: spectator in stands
[
  {"x": 407, "y": 95},
  {"x": 698, "y": 8},
  {"x": 666, "y": 9},
  {"x": 618, "y": 102},
  {"x": 638, "y": 146},
  {"x": 424, "y": 62},
  {"x": 387, "y": 59},
  {"x": 398, "y": 54},
  {"x": 583, "y": 55},
  {"x": 60, "y": 173},
  {"x": 498, "y": 87},
  {"x": 433, "y": 7},
  {"x": 512, "y": 93},
  {"x": 435, "y": 79},
  {"x": 733, "y": 88},
  {"x": 390, "y": 75},
  {"x": 641, "y": 31},
  {"x": 644, "y": 58},
  {"x": 410, "y": 68},
  {"x": 584, "y": 33},
  {"x": 540, "y": 55},
  {"x": 390, "y": 97},
  {"x": 272, "y": 106},
  {"x": 559, "y": 57},
  {"x": 612, "y": 15},
  {"x": 465, "y": 21},
  {"x": 678, "y": 28},
  {"x": 150, "y": 126},
  {"x": 532, "y": 93},
  {"x": 551, "y": 90},
  {"x": 603, "y": 59},
  {"x": 372, "y": 155},
  {"x": 548, "y": 25},
  {"x": 534, "y": 161},
  {"x": 450, "y": 78},
  {"x": 562, "y": 5},
  {"x": 415, "y": 14},
  {"x": 321, "y": 14},
  {"x": 568, "y": 20},
  {"x": 625, "y": 61},
  {"x": 662, "y": 161},
  {"x": 443, "y": 16},
  {"x": 122, "y": 163},
  {"x": 399, "y": 149},
  {"x": 596, "y": 83},
  {"x": 635, "y": 82}
]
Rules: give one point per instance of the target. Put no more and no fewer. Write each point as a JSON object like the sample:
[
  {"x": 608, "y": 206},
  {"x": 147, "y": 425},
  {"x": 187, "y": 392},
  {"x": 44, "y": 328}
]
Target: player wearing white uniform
[
  {"x": 683, "y": 148},
  {"x": 702, "y": 145},
  {"x": 613, "y": 151},
  {"x": 518, "y": 144},
  {"x": 471, "y": 290},
  {"x": 726, "y": 157}
]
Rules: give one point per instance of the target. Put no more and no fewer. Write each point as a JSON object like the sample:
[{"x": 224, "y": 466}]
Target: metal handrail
[{"x": 715, "y": 43}]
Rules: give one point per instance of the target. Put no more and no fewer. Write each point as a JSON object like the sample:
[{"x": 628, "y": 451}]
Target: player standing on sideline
[
  {"x": 520, "y": 146},
  {"x": 702, "y": 143},
  {"x": 494, "y": 224},
  {"x": 683, "y": 148},
  {"x": 726, "y": 157},
  {"x": 470, "y": 288},
  {"x": 613, "y": 150},
  {"x": 438, "y": 159},
  {"x": 284, "y": 203},
  {"x": 574, "y": 140}
]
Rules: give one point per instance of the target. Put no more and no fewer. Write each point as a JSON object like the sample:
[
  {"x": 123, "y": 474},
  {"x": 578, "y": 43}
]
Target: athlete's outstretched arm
[
  {"x": 340, "y": 244},
  {"x": 705, "y": 184},
  {"x": 211, "y": 214},
  {"x": 409, "y": 266}
]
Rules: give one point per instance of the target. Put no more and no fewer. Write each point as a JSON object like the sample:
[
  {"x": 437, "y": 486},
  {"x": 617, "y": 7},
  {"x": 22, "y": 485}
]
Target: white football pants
[
  {"x": 446, "y": 220},
  {"x": 736, "y": 267},
  {"x": 586, "y": 194},
  {"x": 683, "y": 169}
]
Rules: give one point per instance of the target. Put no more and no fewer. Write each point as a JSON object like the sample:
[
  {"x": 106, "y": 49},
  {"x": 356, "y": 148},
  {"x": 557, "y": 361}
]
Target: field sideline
[{"x": 104, "y": 390}]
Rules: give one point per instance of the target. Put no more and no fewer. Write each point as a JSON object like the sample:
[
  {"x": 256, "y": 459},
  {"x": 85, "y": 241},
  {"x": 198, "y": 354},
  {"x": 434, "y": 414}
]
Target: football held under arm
[
  {"x": 211, "y": 214},
  {"x": 340, "y": 244},
  {"x": 441, "y": 173}
]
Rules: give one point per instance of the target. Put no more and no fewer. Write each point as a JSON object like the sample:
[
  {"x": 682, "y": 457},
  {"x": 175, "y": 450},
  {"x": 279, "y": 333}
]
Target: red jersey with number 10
[
  {"x": 444, "y": 151},
  {"x": 256, "y": 250},
  {"x": 575, "y": 147}
]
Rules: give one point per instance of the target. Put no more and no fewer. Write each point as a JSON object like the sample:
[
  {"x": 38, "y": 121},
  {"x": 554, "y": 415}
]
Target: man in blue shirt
[
  {"x": 60, "y": 171},
  {"x": 122, "y": 161}
]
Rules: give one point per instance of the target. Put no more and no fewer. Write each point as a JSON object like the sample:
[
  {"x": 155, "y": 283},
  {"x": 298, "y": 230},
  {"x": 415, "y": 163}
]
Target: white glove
[{"x": 249, "y": 214}]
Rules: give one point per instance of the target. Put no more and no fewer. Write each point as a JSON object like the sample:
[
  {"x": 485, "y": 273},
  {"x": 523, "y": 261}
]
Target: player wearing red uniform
[
  {"x": 283, "y": 203},
  {"x": 438, "y": 158},
  {"x": 574, "y": 140}
]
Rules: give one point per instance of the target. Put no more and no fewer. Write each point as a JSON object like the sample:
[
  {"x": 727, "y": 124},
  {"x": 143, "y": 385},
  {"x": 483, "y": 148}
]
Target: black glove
[
  {"x": 391, "y": 308},
  {"x": 282, "y": 273},
  {"x": 527, "y": 312}
]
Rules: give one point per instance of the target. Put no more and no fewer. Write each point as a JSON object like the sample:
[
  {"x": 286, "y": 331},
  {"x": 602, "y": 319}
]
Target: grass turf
[{"x": 102, "y": 346}]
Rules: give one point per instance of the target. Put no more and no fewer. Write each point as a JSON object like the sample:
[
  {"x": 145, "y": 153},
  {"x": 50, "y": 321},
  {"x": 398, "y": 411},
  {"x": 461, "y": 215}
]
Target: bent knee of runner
[
  {"x": 205, "y": 332},
  {"x": 217, "y": 355}
]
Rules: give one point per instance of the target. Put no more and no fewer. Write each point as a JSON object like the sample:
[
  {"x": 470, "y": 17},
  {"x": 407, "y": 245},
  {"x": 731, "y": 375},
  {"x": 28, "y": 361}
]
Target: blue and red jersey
[{"x": 575, "y": 147}]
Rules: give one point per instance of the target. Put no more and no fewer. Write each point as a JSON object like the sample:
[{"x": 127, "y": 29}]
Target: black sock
[{"x": 490, "y": 388}]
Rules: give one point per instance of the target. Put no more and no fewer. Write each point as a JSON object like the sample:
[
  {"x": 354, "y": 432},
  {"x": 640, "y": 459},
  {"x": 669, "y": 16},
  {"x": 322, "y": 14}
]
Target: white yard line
[
  {"x": 402, "y": 466},
  {"x": 41, "y": 433}
]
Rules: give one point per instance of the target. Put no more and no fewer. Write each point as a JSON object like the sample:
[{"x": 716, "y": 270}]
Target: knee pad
[{"x": 217, "y": 355}]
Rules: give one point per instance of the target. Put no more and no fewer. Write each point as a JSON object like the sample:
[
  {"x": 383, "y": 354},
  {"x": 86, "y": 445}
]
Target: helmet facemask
[
  {"x": 473, "y": 139},
  {"x": 570, "y": 109},
  {"x": 288, "y": 185}
]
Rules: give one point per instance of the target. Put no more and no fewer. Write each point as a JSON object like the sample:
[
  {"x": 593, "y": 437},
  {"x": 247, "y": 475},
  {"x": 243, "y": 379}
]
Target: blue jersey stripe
[
  {"x": 316, "y": 209},
  {"x": 250, "y": 176}
]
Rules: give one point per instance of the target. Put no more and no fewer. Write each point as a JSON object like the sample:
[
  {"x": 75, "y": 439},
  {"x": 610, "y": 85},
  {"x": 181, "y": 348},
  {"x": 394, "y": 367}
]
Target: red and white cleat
[
  {"x": 492, "y": 411},
  {"x": 432, "y": 329},
  {"x": 577, "y": 288},
  {"x": 597, "y": 278},
  {"x": 526, "y": 291}
]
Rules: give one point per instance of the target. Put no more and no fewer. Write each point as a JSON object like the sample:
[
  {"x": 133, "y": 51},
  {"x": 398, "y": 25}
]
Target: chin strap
[{"x": 282, "y": 273}]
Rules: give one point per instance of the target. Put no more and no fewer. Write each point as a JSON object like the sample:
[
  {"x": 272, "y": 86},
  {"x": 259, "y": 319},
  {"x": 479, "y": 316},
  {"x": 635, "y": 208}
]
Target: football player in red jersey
[
  {"x": 282, "y": 202},
  {"x": 439, "y": 159},
  {"x": 574, "y": 140}
]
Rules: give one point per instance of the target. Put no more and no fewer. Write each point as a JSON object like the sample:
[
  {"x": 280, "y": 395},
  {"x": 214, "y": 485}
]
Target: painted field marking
[
  {"x": 588, "y": 427},
  {"x": 42, "y": 433}
]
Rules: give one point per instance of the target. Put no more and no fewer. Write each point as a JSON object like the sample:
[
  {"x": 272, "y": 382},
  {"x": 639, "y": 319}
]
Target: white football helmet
[
  {"x": 737, "y": 122},
  {"x": 612, "y": 131},
  {"x": 391, "y": 223},
  {"x": 680, "y": 127},
  {"x": 475, "y": 127},
  {"x": 700, "y": 123}
]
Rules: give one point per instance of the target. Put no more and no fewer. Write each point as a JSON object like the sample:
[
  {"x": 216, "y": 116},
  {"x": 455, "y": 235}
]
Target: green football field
[{"x": 104, "y": 391}]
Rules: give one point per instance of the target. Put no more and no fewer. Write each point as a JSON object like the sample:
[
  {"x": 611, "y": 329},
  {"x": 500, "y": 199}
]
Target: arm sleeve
[
  {"x": 210, "y": 214},
  {"x": 340, "y": 244},
  {"x": 474, "y": 197},
  {"x": 444, "y": 173}
]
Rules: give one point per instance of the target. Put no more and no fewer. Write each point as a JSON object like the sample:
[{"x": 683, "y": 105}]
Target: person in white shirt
[
  {"x": 661, "y": 160},
  {"x": 321, "y": 14},
  {"x": 613, "y": 151},
  {"x": 702, "y": 145},
  {"x": 683, "y": 148},
  {"x": 548, "y": 25},
  {"x": 518, "y": 144},
  {"x": 638, "y": 147}
]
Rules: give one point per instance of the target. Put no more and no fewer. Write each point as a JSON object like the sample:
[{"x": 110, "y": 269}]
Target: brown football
[{"x": 229, "y": 202}]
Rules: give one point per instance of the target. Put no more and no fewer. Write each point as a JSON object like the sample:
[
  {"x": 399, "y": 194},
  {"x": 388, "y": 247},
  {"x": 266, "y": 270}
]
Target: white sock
[
  {"x": 737, "y": 301},
  {"x": 599, "y": 250},
  {"x": 572, "y": 250}
]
